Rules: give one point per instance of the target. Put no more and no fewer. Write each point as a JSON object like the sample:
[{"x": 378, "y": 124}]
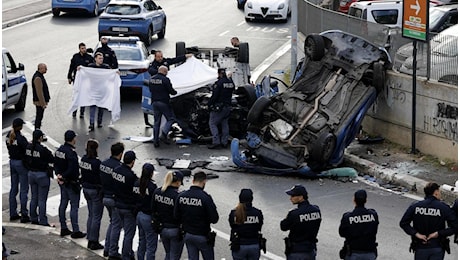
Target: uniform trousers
[
  {"x": 162, "y": 109},
  {"x": 148, "y": 239},
  {"x": 19, "y": 183},
  {"x": 95, "y": 210},
  {"x": 436, "y": 253},
  {"x": 248, "y": 252},
  {"x": 302, "y": 256},
  {"x": 173, "y": 246},
  {"x": 128, "y": 223},
  {"x": 69, "y": 195},
  {"x": 361, "y": 256},
  {"x": 216, "y": 118},
  {"x": 109, "y": 204},
  {"x": 196, "y": 244},
  {"x": 92, "y": 114},
  {"x": 39, "y": 187}
]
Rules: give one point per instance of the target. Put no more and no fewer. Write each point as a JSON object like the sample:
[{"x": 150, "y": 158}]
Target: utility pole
[{"x": 294, "y": 16}]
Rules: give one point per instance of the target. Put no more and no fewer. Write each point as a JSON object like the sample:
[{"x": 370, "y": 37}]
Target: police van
[{"x": 14, "y": 84}]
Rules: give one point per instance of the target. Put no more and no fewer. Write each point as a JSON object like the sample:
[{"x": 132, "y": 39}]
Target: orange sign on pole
[{"x": 415, "y": 19}]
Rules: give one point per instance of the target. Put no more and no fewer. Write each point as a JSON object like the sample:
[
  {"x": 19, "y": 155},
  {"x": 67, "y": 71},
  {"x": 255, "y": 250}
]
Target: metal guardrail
[{"x": 312, "y": 18}]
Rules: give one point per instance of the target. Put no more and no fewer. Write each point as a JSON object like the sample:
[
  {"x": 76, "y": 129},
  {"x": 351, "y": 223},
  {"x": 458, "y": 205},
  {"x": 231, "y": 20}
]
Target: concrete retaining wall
[{"x": 436, "y": 115}]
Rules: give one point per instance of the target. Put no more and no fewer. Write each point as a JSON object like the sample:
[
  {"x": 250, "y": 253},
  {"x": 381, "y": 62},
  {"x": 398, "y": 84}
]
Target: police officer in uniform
[
  {"x": 163, "y": 214},
  {"x": 92, "y": 190},
  {"x": 68, "y": 174},
  {"x": 220, "y": 105},
  {"x": 428, "y": 230},
  {"x": 143, "y": 190},
  {"x": 80, "y": 58},
  {"x": 303, "y": 225},
  {"x": 196, "y": 211},
  {"x": 110, "y": 58},
  {"x": 246, "y": 224},
  {"x": 125, "y": 207},
  {"x": 359, "y": 228},
  {"x": 16, "y": 144},
  {"x": 37, "y": 160},
  {"x": 108, "y": 186},
  {"x": 160, "y": 87}
]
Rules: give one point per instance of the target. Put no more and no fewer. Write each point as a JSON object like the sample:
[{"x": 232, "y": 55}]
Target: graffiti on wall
[{"x": 444, "y": 123}]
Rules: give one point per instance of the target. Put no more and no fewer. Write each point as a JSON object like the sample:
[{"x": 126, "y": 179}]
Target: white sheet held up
[{"x": 100, "y": 87}]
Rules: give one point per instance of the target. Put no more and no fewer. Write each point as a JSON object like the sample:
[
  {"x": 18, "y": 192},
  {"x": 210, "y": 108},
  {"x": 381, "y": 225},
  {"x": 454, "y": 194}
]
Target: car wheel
[
  {"x": 148, "y": 37},
  {"x": 449, "y": 79},
  {"x": 239, "y": 5},
  {"x": 247, "y": 20},
  {"x": 96, "y": 9},
  {"x": 314, "y": 47},
  {"x": 180, "y": 49},
  {"x": 323, "y": 148},
  {"x": 56, "y": 12},
  {"x": 243, "y": 53},
  {"x": 22, "y": 100},
  {"x": 161, "y": 34},
  {"x": 378, "y": 78},
  {"x": 249, "y": 96},
  {"x": 257, "y": 108}
]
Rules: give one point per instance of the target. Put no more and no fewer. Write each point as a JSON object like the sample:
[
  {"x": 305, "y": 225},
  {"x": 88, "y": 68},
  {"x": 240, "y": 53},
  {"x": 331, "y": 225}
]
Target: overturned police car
[{"x": 306, "y": 128}]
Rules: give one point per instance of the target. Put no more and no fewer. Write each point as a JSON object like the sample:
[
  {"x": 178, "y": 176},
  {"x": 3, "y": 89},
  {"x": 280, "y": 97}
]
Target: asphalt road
[{"x": 203, "y": 23}]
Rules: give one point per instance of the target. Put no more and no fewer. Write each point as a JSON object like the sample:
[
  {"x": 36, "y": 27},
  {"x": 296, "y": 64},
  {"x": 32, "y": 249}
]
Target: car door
[
  {"x": 155, "y": 15},
  {"x": 12, "y": 85}
]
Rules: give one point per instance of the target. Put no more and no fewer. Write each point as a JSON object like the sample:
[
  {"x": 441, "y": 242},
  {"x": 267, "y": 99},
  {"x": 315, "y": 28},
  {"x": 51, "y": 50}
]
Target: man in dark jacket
[
  {"x": 41, "y": 94},
  {"x": 68, "y": 174},
  {"x": 160, "y": 88},
  {"x": 359, "y": 228},
  {"x": 80, "y": 58},
  {"x": 110, "y": 58},
  {"x": 220, "y": 105},
  {"x": 428, "y": 230},
  {"x": 196, "y": 211}
]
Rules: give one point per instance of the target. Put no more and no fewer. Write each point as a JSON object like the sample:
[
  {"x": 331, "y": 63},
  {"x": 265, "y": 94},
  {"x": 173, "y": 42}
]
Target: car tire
[
  {"x": 249, "y": 94},
  {"x": 323, "y": 148},
  {"x": 56, "y": 12},
  {"x": 19, "y": 107},
  {"x": 314, "y": 47},
  {"x": 254, "y": 114},
  {"x": 161, "y": 34},
  {"x": 247, "y": 20},
  {"x": 180, "y": 49},
  {"x": 449, "y": 79},
  {"x": 96, "y": 9},
  {"x": 239, "y": 5},
  {"x": 378, "y": 78},
  {"x": 148, "y": 38},
  {"x": 243, "y": 53}
]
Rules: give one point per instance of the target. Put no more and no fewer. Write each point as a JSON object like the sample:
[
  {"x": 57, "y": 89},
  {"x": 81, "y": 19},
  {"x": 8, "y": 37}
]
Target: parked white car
[
  {"x": 276, "y": 10},
  {"x": 14, "y": 83}
]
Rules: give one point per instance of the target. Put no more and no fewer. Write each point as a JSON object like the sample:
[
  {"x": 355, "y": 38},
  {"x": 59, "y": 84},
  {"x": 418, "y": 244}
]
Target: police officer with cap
[
  {"x": 125, "y": 207},
  {"x": 163, "y": 214},
  {"x": 16, "y": 144},
  {"x": 303, "y": 225},
  {"x": 220, "y": 105},
  {"x": 110, "y": 58},
  {"x": 359, "y": 228},
  {"x": 160, "y": 88},
  {"x": 246, "y": 224},
  {"x": 196, "y": 211},
  {"x": 37, "y": 160},
  {"x": 67, "y": 170},
  {"x": 143, "y": 190},
  {"x": 428, "y": 230},
  {"x": 107, "y": 167}
]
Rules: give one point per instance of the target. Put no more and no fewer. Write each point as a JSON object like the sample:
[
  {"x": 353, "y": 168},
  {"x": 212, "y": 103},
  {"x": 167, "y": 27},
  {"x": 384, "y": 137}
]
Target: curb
[{"x": 24, "y": 19}]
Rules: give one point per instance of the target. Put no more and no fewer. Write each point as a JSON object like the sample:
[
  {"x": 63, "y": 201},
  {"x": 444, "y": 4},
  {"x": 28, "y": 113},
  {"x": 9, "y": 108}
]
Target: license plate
[
  {"x": 274, "y": 12},
  {"x": 123, "y": 73},
  {"x": 119, "y": 29}
]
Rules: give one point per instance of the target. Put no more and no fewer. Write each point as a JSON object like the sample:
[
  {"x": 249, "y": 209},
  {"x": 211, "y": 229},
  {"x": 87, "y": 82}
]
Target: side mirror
[
  {"x": 20, "y": 66},
  {"x": 89, "y": 50}
]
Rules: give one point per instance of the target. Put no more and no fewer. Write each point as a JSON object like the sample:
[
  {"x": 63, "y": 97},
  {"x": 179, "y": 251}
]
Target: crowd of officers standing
[{"x": 180, "y": 218}]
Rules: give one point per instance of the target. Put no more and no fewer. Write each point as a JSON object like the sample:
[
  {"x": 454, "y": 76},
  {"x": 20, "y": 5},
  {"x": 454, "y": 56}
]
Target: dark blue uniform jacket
[
  {"x": 359, "y": 228},
  {"x": 78, "y": 60},
  {"x": 107, "y": 168},
  {"x": 109, "y": 56},
  {"x": 66, "y": 162},
  {"x": 160, "y": 88},
  {"x": 248, "y": 232},
  {"x": 144, "y": 203},
  {"x": 222, "y": 92},
  {"x": 163, "y": 206},
  {"x": 124, "y": 179},
  {"x": 17, "y": 149},
  {"x": 90, "y": 172},
  {"x": 39, "y": 157},
  {"x": 196, "y": 210},
  {"x": 153, "y": 67}
]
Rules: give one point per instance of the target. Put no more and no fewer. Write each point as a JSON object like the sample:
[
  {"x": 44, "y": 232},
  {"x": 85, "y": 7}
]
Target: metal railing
[{"x": 314, "y": 19}]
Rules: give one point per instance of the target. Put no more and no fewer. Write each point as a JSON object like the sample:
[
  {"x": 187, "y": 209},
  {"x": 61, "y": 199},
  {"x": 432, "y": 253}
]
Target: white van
[
  {"x": 14, "y": 84},
  {"x": 388, "y": 13}
]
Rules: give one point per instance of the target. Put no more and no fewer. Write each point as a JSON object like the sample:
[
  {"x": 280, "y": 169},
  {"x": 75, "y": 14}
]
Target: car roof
[
  {"x": 382, "y": 2},
  {"x": 452, "y": 30},
  {"x": 446, "y": 7}
]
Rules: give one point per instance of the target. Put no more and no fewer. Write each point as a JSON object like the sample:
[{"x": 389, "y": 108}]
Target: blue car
[
  {"x": 306, "y": 128},
  {"x": 94, "y": 7},
  {"x": 142, "y": 18},
  {"x": 133, "y": 60}
]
